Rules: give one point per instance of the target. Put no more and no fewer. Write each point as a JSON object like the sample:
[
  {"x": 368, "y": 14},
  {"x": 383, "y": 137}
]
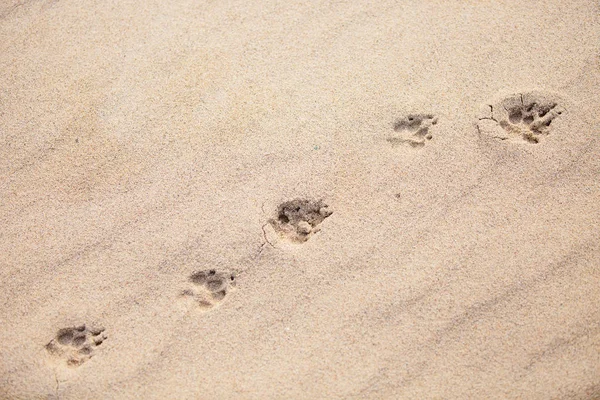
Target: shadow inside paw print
[
  {"x": 522, "y": 117},
  {"x": 530, "y": 120},
  {"x": 76, "y": 345},
  {"x": 209, "y": 288},
  {"x": 412, "y": 130},
  {"x": 297, "y": 220}
]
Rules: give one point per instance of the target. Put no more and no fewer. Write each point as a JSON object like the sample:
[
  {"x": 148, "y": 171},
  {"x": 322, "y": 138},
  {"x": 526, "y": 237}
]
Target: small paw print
[
  {"x": 209, "y": 288},
  {"x": 76, "y": 345},
  {"x": 297, "y": 220},
  {"x": 531, "y": 120},
  {"x": 413, "y": 130},
  {"x": 520, "y": 118}
]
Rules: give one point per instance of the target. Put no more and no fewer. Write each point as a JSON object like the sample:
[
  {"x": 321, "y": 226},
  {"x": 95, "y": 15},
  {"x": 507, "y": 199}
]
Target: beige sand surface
[{"x": 145, "y": 143}]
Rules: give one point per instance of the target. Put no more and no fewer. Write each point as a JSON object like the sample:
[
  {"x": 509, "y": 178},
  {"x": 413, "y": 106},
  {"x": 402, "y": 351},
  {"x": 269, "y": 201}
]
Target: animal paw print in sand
[
  {"x": 297, "y": 220},
  {"x": 412, "y": 130},
  {"x": 75, "y": 345},
  {"x": 522, "y": 117},
  {"x": 209, "y": 287}
]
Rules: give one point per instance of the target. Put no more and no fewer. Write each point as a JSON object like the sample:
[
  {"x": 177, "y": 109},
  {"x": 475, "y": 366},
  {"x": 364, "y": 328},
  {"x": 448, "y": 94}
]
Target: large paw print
[
  {"x": 297, "y": 220},
  {"x": 522, "y": 117},
  {"x": 75, "y": 345},
  {"x": 209, "y": 288},
  {"x": 412, "y": 130}
]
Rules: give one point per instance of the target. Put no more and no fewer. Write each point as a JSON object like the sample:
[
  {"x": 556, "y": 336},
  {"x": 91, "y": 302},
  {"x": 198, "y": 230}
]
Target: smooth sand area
[{"x": 299, "y": 199}]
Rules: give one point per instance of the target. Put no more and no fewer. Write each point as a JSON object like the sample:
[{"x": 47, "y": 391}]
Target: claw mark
[
  {"x": 57, "y": 386},
  {"x": 267, "y": 241},
  {"x": 491, "y": 117},
  {"x": 265, "y": 236}
]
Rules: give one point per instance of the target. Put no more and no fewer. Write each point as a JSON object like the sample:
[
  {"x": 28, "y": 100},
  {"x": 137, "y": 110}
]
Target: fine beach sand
[{"x": 299, "y": 200}]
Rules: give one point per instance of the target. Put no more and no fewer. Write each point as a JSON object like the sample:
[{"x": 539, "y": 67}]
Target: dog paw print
[
  {"x": 522, "y": 117},
  {"x": 412, "y": 130},
  {"x": 209, "y": 288},
  {"x": 297, "y": 220},
  {"x": 75, "y": 345}
]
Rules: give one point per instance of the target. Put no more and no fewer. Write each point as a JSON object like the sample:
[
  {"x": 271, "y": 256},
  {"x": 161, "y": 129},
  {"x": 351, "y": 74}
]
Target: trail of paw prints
[
  {"x": 520, "y": 118},
  {"x": 299, "y": 219},
  {"x": 75, "y": 345},
  {"x": 208, "y": 288},
  {"x": 414, "y": 130}
]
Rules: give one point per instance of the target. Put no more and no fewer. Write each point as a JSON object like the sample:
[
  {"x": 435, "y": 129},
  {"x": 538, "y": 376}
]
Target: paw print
[
  {"x": 412, "y": 130},
  {"x": 522, "y": 117},
  {"x": 75, "y": 345},
  {"x": 530, "y": 120},
  {"x": 209, "y": 287},
  {"x": 297, "y": 220}
]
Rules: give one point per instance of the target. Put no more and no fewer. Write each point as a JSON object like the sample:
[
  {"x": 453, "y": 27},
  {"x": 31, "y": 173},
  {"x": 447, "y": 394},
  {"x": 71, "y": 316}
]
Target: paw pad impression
[{"x": 297, "y": 220}]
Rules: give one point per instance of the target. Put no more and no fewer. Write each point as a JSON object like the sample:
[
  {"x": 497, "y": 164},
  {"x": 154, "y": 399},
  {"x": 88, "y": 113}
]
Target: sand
[{"x": 299, "y": 200}]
